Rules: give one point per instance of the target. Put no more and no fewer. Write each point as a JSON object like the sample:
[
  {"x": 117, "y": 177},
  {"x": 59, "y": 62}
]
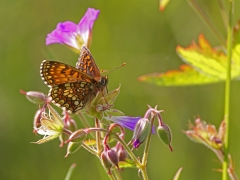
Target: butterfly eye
[{"x": 104, "y": 81}]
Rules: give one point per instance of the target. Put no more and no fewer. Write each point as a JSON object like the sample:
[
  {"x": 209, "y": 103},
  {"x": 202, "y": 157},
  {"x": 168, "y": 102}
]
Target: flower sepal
[{"x": 51, "y": 126}]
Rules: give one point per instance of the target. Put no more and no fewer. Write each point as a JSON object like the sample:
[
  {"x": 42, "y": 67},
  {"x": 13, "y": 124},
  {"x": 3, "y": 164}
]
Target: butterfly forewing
[
  {"x": 87, "y": 64},
  {"x": 54, "y": 73}
]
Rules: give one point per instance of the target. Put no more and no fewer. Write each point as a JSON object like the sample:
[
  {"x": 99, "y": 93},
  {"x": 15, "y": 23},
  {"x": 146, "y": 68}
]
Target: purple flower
[
  {"x": 124, "y": 121},
  {"x": 74, "y": 35}
]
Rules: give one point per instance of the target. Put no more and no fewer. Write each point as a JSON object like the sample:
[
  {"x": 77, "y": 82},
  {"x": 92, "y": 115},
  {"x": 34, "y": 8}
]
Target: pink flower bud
[
  {"x": 35, "y": 97},
  {"x": 112, "y": 157},
  {"x": 78, "y": 136},
  {"x": 105, "y": 161}
]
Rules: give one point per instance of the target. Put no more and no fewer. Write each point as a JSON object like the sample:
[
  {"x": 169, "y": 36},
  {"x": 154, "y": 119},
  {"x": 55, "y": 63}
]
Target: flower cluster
[
  {"x": 99, "y": 106},
  {"x": 206, "y": 134}
]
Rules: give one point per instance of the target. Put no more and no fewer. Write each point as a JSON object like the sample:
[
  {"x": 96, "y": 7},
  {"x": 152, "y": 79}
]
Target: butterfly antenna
[{"x": 123, "y": 64}]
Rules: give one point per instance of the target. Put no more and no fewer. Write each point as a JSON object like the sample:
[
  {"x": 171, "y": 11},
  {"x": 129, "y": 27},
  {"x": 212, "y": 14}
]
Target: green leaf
[
  {"x": 128, "y": 163},
  {"x": 204, "y": 65},
  {"x": 90, "y": 142},
  {"x": 186, "y": 75}
]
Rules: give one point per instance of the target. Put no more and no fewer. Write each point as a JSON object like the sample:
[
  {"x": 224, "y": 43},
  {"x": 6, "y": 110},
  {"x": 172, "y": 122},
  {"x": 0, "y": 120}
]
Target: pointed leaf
[
  {"x": 46, "y": 139},
  {"x": 90, "y": 142},
  {"x": 128, "y": 163},
  {"x": 186, "y": 75},
  {"x": 205, "y": 65},
  {"x": 204, "y": 58}
]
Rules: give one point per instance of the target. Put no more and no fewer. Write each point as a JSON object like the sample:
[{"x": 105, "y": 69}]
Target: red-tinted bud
[
  {"x": 35, "y": 97},
  {"x": 105, "y": 161},
  {"x": 71, "y": 125},
  {"x": 165, "y": 134},
  {"x": 78, "y": 136},
  {"x": 141, "y": 131},
  {"x": 72, "y": 148},
  {"x": 121, "y": 152},
  {"x": 112, "y": 157},
  {"x": 37, "y": 120}
]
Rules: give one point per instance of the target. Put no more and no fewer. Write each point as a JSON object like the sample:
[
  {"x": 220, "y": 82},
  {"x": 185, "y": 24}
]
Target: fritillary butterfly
[{"x": 73, "y": 88}]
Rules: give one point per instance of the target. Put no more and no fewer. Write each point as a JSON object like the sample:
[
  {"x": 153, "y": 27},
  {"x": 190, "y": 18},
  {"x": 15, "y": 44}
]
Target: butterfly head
[{"x": 104, "y": 81}]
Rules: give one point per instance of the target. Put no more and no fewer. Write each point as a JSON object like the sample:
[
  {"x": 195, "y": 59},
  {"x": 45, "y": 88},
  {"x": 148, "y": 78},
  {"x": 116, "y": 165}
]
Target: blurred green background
[{"x": 134, "y": 32}]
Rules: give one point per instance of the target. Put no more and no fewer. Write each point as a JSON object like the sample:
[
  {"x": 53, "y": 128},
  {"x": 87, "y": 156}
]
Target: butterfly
[{"x": 73, "y": 88}]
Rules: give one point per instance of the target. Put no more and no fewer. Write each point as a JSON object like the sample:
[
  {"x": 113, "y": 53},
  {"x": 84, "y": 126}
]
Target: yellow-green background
[{"x": 134, "y": 32}]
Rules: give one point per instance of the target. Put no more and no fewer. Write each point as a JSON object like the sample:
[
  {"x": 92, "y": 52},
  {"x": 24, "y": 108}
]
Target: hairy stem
[
  {"x": 98, "y": 137},
  {"x": 227, "y": 91}
]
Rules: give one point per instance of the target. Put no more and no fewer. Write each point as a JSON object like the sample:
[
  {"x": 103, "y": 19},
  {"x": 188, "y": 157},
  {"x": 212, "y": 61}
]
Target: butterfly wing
[
  {"x": 73, "y": 95},
  {"x": 87, "y": 65},
  {"x": 54, "y": 73}
]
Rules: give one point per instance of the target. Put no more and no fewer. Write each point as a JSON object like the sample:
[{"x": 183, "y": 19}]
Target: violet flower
[
  {"x": 124, "y": 121},
  {"x": 74, "y": 35}
]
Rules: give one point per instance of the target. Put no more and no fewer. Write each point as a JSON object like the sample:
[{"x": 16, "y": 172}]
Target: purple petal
[
  {"x": 65, "y": 33},
  {"x": 125, "y": 121},
  {"x": 86, "y": 23},
  {"x": 69, "y": 33},
  {"x": 136, "y": 143}
]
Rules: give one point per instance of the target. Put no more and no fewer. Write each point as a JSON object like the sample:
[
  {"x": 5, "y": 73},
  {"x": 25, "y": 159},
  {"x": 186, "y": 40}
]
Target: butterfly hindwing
[{"x": 72, "y": 96}]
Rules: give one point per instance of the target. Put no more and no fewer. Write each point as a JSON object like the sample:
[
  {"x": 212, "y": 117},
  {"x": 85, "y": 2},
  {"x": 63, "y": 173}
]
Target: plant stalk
[{"x": 227, "y": 91}]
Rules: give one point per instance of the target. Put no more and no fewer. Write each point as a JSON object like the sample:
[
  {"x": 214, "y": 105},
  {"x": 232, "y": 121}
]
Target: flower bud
[
  {"x": 165, "y": 134},
  {"x": 37, "y": 120},
  {"x": 105, "y": 161},
  {"x": 121, "y": 152},
  {"x": 35, "y": 97},
  {"x": 69, "y": 123},
  {"x": 72, "y": 148},
  {"x": 112, "y": 157},
  {"x": 216, "y": 143},
  {"x": 141, "y": 131},
  {"x": 78, "y": 136}
]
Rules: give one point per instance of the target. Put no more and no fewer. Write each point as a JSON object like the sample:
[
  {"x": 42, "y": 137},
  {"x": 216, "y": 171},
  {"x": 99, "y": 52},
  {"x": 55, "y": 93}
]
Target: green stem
[
  {"x": 98, "y": 137},
  {"x": 208, "y": 22},
  {"x": 134, "y": 158},
  {"x": 117, "y": 174},
  {"x": 111, "y": 176},
  {"x": 146, "y": 150},
  {"x": 227, "y": 90}
]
